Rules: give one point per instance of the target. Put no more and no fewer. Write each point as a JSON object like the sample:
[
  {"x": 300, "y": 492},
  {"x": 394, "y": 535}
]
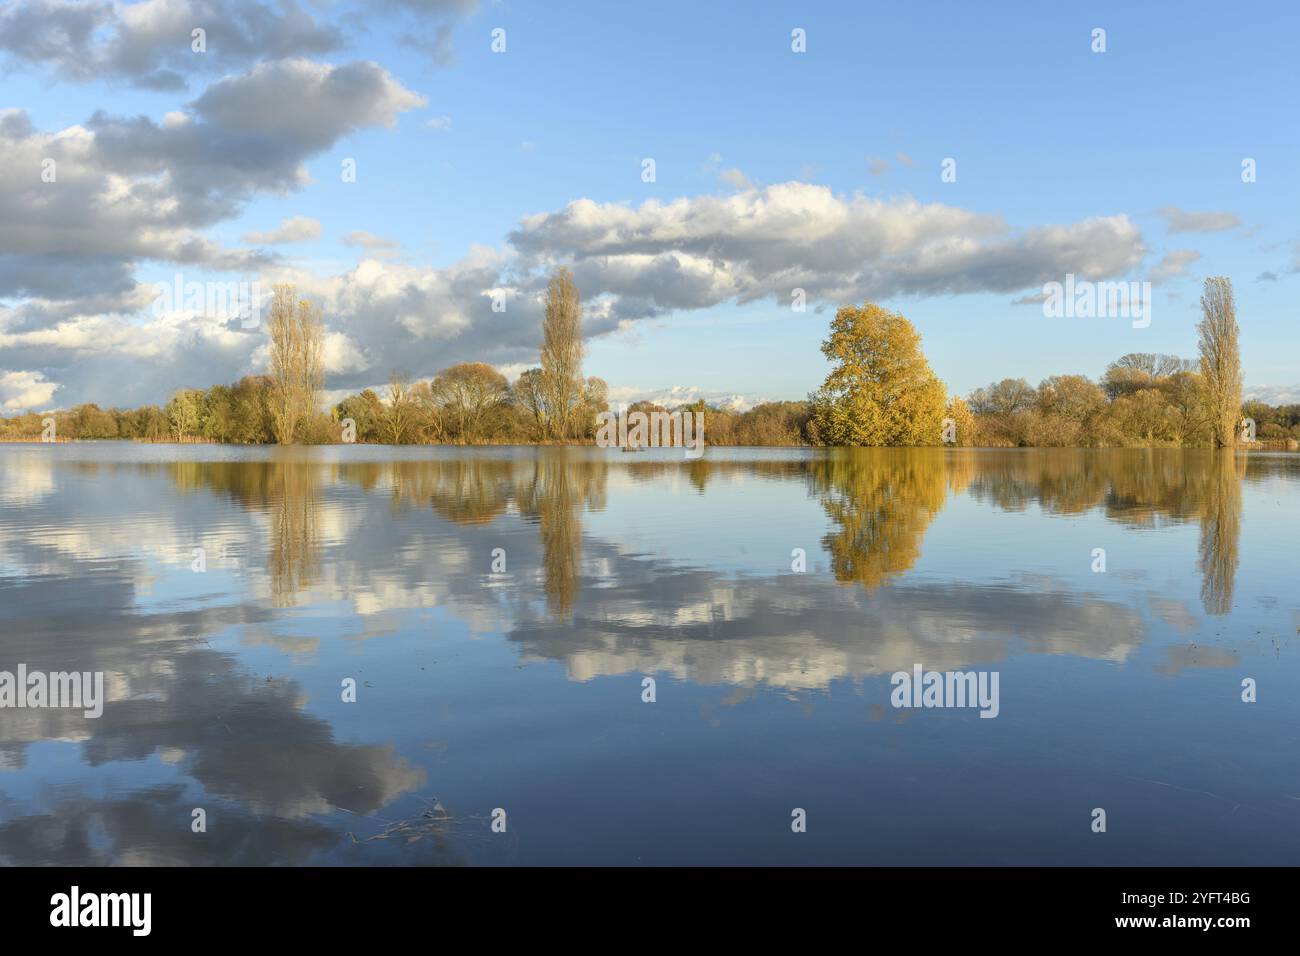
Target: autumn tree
[
  {"x": 1007, "y": 397},
  {"x": 562, "y": 351},
  {"x": 1220, "y": 360},
  {"x": 595, "y": 399},
  {"x": 1074, "y": 398},
  {"x": 468, "y": 394},
  {"x": 530, "y": 395},
  {"x": 399, "y": 414},
  {"x": 366, "y": 412},
  {"x": 963, "y": 422},
  {"x": 882, "y": 390},
  {"x": 296, "y": 367}
]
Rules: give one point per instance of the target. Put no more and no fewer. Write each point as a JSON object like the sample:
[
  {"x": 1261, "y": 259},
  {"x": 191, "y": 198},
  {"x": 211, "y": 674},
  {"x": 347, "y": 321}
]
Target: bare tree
[
  {"x": 399, "y": 415},
  {"x": 530, "y": 394},
  {"x": 297, "y": 370},
  {"x": 1221, "y": 360},
  {"x": 1155, "y": 364},
  {"x": 562, "y": 351},
  {"x": 1006, "y": 397},
  {"x": 468, "y": 393}
]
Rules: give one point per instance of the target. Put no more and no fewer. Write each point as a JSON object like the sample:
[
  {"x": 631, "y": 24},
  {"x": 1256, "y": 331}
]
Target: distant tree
[
  {"x": 562, "y": 351},
  {"x": 1185, "y": 396},
  {"x": 254, "y": 424},
  {"x": 530, "y": 395},
  {"x": 366, "y": 411},
  {"x": 595, "y": 399},
  {"x": 468, "y": 393},
  {"x": 964, "y": 425},
  {"x": 218, "y": 413},
  {"x": 768, "y": 423},
  {"x": 399, "y": 413},
  {"x": 1119, "y": 381},
  {"x": 1153, "y": 364},
  {"x": 881, "y": 390},
  {"x": 1007, "y": 397},
  {"x": 1220, "y": 360},
  {"x": 90, "y": 421},
  {"x": 1074, "y": 398},
  {"x": 183, "y": 412},
  {"x": 297, "y": 344}
]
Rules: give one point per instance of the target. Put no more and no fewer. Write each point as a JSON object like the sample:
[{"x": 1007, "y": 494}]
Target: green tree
[{"x": 183, "y": 412}]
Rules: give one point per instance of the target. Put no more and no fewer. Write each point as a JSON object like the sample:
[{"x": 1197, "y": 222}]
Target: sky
[{"x": 409, "y": 164}]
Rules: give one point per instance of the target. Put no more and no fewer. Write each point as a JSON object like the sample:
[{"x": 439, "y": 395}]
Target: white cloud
[
  {"x": 676, "y": 395},
  {"x": 20, "y": 391},
  {"x": 631, "y": 263},
  {"x": 691, "y": 253},
  {"x": 1273, "y": 394},
  {"x": 127, "y": 189}
]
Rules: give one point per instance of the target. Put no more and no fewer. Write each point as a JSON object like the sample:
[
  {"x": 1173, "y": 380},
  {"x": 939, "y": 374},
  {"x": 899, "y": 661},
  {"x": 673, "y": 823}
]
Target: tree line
[{"x": 880, "y": 391}]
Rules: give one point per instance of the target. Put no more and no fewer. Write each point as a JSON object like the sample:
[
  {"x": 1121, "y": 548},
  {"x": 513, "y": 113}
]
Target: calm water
[{"x": 522, "y": 690}]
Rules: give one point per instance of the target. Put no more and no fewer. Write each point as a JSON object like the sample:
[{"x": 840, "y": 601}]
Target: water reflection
[
  {"x": 880, "y": 503},
  {"x": 645, "y": 614},
  {"x": 1220, "y": 517},
  {"x": 615, "y": 566}
]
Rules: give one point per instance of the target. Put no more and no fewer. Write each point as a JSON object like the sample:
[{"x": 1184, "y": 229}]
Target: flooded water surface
[{"x": 369, "y": 656}]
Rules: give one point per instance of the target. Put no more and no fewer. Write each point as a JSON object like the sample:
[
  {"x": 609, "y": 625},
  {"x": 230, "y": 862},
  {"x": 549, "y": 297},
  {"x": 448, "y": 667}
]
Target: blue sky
[{"x": 756, "y": 148}]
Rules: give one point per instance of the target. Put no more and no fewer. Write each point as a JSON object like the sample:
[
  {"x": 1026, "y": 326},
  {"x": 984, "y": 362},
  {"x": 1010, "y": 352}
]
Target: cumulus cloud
[
  {"x": 1178, "y": 220},
  {"x": 693, "y": 253},
  {"x": 125, "y": 360},
  {"x": 305, "y": 103},
  {"x": 20, "y": 391},
  {"x": 294, "y": 229},
  {"x": 125, "y": 189},
  {"x": 632, "y": 263},
  {"x": 150, "y": 43}
]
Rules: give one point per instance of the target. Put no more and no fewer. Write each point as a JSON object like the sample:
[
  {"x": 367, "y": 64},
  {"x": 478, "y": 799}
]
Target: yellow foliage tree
[
  {"x": 963, "y": 422},
  {"x": 882, "y": 390}
]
